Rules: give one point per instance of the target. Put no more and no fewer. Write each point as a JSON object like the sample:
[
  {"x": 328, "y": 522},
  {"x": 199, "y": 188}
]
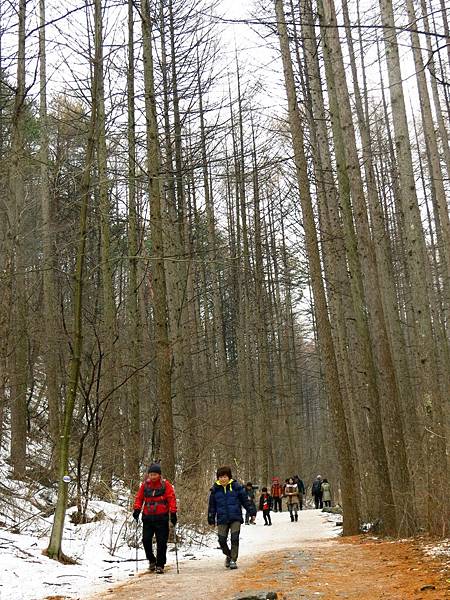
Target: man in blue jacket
[{"x": 226, "y": 500}]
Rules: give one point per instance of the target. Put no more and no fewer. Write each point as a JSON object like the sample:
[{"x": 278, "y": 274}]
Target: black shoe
[
  {"x": 296, "y": 517},
  {"x": 227, "y": 562},
  {"x": 151, "y": 565},
  {"x": 159, "y": 570}
]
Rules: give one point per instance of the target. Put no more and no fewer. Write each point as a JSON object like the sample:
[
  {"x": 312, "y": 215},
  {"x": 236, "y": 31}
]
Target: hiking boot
[
  {"x": 151, "y": 565},
  {"x": 227, "y": 562},
  {"x": 296, "y": 517},
  {"x": 232, "y": 565},
  {"x": 159, "y": 570}
]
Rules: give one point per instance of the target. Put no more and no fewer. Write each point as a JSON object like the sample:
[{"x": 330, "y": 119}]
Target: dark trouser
[
  {"x": 267, "y": 519},
  {"x": 249, "y": 514},
  {"x": 247, "y": 517},
  {"x": 293, "y": 511},
  {"x": 277, "y": 504},
  {"x": 318, "y": 501},
  {"x": 160, "y": 529},
  {"x": 222, "y": 532},
  {"x": 327, "y": 503},
  {"x": 301, "y": 501}
]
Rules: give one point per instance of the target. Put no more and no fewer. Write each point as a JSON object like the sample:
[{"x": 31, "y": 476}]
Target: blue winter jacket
[{"x": 226, "y": 502}]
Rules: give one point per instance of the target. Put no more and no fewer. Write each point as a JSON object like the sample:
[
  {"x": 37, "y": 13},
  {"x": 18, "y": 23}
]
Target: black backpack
[{"x": 317, "y": 486}]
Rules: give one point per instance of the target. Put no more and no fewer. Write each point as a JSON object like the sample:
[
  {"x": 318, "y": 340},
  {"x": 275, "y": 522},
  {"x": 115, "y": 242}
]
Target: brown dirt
[{"x": 356, "y": 568}]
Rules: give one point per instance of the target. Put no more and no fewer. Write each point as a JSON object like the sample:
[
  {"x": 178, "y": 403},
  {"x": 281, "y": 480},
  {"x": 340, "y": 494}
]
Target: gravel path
[
  {"x": 298, "y": 561},
  {"x": 206, "y": 577}
]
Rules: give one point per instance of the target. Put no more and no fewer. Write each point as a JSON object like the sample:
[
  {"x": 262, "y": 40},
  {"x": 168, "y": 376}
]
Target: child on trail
[
  {"x": 265, "y": 504},
  {"x": 156, "y": 499},
  {"x": 250, "y": 515},
  {"x": 277, "y": 493},
  {"x": 226, "y": 500},
  {"x": 291, "y": 493},
  {"x": 326, "y": 493}
]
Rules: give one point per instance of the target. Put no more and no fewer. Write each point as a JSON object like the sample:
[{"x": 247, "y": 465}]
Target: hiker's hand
[
  {"x": 211, "y": 521},
  {"x": 136, "y": 513},
  {"x": 173, "y": 518}
]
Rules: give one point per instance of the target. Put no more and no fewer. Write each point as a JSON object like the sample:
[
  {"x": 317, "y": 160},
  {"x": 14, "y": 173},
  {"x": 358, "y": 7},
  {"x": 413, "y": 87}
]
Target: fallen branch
[{"x": 107, "y": 560}]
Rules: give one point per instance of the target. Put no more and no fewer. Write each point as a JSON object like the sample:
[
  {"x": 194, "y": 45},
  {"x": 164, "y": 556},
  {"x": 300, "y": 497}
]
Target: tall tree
[
  {"x": 321, "y": 310},
  {"x": 133, "y": 443},
  {"x": 16, "y": 213},
  {"x": 389, "y": 447},
  {"x": 109, "y": 442},
  {"x": 162, "y": 348},
  {"x": 417, "y": 264},
  {"x": 54, "y": 549},
  {"x": 50, "y": 300}
]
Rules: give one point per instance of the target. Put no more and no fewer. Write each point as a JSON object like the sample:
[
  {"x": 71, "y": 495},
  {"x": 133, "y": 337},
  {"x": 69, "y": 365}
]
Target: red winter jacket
[
  {"x": 156, "y": 499},
  {"x": 277, "y": 489}
]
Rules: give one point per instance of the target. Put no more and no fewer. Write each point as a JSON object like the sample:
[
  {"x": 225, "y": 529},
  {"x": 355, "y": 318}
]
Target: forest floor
[{"x": 301, "y": 560}]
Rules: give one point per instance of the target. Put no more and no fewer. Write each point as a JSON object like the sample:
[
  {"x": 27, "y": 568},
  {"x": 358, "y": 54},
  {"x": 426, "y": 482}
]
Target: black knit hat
[{"x": 154, "y": 468}]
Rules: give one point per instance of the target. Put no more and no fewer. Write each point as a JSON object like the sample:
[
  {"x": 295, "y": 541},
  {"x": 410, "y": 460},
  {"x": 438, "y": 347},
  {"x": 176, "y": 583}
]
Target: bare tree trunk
[
  {"x": 222, "y": 376},
  {"x": 434, "y": 162},
  {"x": 388, "y": 412},
  {"x": 163, "y": 358},
  {"x": 424, "y": 348},
  {"x": 172, "y": 241},
  {"x": 54, "y": 549},
  {"x": 408, "y": 410},
  {"x": 366, "y": 413},
  {"x": 334, "y": 256},
  {"x": 262, "y": 318},
  {"x": 110, "y": 448},
  {"x": 443, "y": 128},
  {"x": 19, "y": 353},
  {"x": 289, "y": 397},
  {"x": 133, "y": 450},
  {"x": 324, "y": 329},
  {"x": 51, "y": 321},
  {"x": 241, "y": 297}
]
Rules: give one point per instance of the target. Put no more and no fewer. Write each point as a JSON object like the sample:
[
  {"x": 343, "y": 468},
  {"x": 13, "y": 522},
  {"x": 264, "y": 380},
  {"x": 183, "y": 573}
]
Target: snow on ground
[
  {"x": 104, "y": 556},
  {"x": 29, "y": 575},
  {"x": 440, "y": 550}
]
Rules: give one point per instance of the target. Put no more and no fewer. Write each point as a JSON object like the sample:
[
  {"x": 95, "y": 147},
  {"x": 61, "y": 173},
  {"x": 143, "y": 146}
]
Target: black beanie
[{"x": 154, "y": 468}]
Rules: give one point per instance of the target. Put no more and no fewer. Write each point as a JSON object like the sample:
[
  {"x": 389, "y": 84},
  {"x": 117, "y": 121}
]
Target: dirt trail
[{"x": 356, "y": 568}]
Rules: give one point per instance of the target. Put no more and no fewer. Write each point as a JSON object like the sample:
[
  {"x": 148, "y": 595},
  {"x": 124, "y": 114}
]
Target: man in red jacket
[
  {"x": 277, "y": 494},
  {"x": 156, "y": 499}
]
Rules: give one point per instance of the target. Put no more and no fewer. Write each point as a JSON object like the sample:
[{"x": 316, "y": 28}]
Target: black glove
[
  {"x": 211, "y": 521},
  {"x": 173, "y": 518},
  {"x": 136, "y": 513}
]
